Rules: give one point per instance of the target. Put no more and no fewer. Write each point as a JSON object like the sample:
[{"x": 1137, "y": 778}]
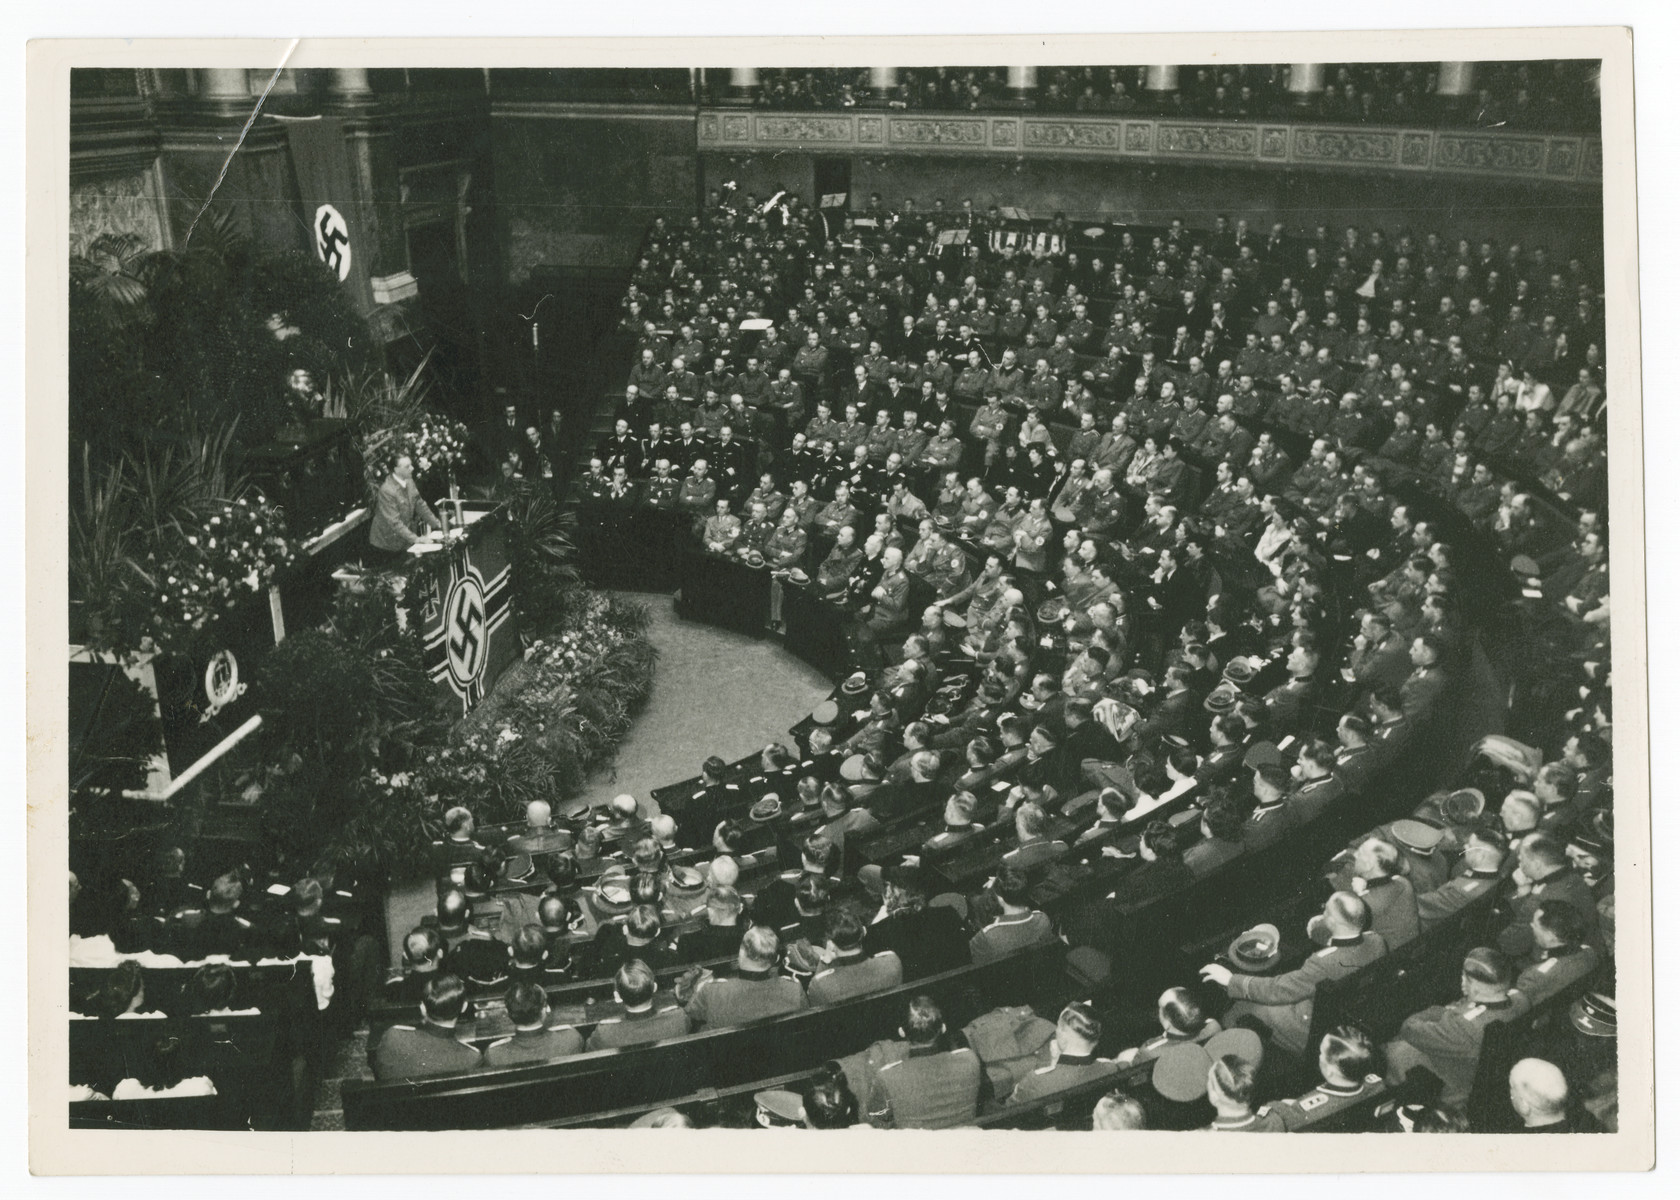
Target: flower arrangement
[
  {"x": 431, "y": 440},
  {"x": 378, "y": 778},
  {"x": 199, "y": 570}
]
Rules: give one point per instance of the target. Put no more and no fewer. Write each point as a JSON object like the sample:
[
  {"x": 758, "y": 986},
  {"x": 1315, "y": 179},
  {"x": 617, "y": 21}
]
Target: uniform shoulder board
[
  {"x": 1467, "y": 885},
  {"x": 1373, "y": 1078},
  {"x": 882, "y": 954},
  {"x": 345, "y": 894},
  {"x": 610, "y": 1021},
  {"x": 394, "y": 977},
  {"x": 1316, "y": 1100},
  {"x": 1045, "y": 1070},
  {"x": 243, "y": 921},
  {"x": 1323, "y": 952},
  {"x": 820, "y": 974},
  {"x": 1263, "y": 1110},
  {"x": 1548, "y": 965},
  {"x": 502, "y": 1042},
  {"x": 1474, "y": 1011},
  {"x": 404, "y": 1028},
  {"x": 331, "y": 921},
  {"x": 669, "y": 1008},
  {"x": 962, "y": 1050},
  {"x": 890, "y": 1066}
]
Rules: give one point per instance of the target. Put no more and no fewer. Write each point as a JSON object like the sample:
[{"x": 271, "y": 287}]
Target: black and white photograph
[{"x": 798, "y": 594}]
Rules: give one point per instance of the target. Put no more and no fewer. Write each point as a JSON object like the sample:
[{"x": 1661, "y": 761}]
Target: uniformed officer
[
  {"x": 1073, "y": 1057},
  {"x": 661, "y": 489},
  {"x": 532, "y": 1040},
  {"x": 1018, "y": 925},
  {"x": 1544, "y": 873},
  {"x": 698, "y": 491},
  {"x": 422, "y": 962},
  {"x": 766, "y": 494},
  {"x": 1561, "y": 955},
  {"x": 216, "y": 928},
  {"x": 1447, "y": 1038},
  {"x": 595, "y": 483},
  {"x": 933, "y": 1086},
  {"x": 1284, "y": 1002},
  {"x": 1182, "y": 1021},
  {"x": 754, "y": 992},
  {"x": 755, "y": 532},
  {"x": 430, "y": 1048},
  {"x": 1387, "y": 893},
  {"x": 851, "y": 972},
  {"x": 470, "y": 953},
  {"x": 1347, "y": 1062},
  {"x": 643, "y": 1019},
  {"x": 1230, "y": 1089},
  {"x": 784, "y": 549},
  {"x": 1479, "y": 872}
]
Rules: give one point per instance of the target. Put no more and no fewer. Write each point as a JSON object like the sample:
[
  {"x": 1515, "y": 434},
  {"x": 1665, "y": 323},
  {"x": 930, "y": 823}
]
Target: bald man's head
[
  {"x": 724, "y": 872},
  {"x": 1539, "y": 1092},
  {"x": 1346, "y": 915},
  {"x": 664, "y": 829},
  {"x": 624, "y": 805}
]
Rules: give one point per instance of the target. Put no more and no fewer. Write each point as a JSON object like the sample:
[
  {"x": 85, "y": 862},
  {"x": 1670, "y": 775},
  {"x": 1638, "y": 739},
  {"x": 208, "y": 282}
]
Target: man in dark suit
[
  {"x": 928, "y": 939},
  {"x": 721, "y": 934},
  {"x": 1160, "y": 873}
]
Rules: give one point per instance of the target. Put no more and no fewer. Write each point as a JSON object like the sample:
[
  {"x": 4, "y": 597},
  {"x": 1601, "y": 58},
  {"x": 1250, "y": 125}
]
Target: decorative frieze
[{"x": 1565, "y": 158}]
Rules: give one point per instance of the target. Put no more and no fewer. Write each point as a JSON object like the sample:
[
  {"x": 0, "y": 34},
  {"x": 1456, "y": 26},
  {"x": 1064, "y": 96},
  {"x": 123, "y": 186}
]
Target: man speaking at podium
[{"x": 398, "y": 512}]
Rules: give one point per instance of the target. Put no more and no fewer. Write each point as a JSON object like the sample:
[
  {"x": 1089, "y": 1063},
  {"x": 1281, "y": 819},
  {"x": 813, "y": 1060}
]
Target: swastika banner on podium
[{"x": 464, "y": 600}]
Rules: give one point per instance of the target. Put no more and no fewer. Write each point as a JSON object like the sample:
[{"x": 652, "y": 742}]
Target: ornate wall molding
[{"x": 1538, "y": 157}]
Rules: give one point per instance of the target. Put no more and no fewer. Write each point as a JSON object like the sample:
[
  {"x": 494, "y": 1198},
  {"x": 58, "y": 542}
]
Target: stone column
[
  {"x": 350, "y": 84},
  {"x": 883, "y": 82},
  {"x": 1455, "y": 79},
  {"x": 743, "y": 86},
  {"x": 1023, "y": 86},
  {"x": 1455, "y": 87},
  {"x": 225, "y": 90},
  {"x": 1160, "y": 84},
  {"x": 1306, "y": 81}
]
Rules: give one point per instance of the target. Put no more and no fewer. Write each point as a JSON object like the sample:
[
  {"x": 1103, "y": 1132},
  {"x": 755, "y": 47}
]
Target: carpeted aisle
[{"x": 714, "y": 692}]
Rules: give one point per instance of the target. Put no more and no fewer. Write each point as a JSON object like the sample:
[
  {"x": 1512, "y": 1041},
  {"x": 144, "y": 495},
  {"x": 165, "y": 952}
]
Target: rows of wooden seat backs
[
  {"x": 657, "y": 1071},
  {"x": 254, "y": 1049},
  {"x": 667, "y": 1068},
  {"x": 1378, "y": 998}
]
